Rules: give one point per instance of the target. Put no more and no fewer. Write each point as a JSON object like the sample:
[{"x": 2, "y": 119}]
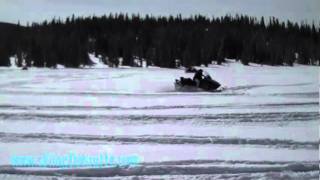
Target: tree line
[{"x": 160, "y": 41}]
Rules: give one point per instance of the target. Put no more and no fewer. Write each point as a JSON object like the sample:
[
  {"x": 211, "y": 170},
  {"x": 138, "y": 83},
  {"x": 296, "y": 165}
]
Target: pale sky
[{"x": 39, "y": 10}]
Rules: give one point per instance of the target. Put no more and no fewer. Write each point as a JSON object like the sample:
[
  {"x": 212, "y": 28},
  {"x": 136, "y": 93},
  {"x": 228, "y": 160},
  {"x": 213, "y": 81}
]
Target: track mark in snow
[
  {"x": 150, "y": 119},
  {"x": 145, "y": 170},
  {"x": 238, "y": 106},
  {"x": 247, "y": 87},
  {"x": 154, "y": 139}
]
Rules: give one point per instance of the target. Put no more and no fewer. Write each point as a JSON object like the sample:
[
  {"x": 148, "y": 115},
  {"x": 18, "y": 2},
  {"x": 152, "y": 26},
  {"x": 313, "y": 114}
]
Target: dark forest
[{"x": 160, "y": 41}]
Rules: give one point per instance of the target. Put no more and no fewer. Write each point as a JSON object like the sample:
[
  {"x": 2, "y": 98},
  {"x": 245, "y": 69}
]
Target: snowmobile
[
  {"x": 206, "y": 84},
  {"x": 24, "y": 68},
  {"x": 191, "y": 70}
]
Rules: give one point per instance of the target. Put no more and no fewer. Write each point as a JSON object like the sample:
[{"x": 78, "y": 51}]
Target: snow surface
[
  {"x": 13, "y": 63},
  {"x": 263, "y": 126},
  {"x": 97, "y": 62}
]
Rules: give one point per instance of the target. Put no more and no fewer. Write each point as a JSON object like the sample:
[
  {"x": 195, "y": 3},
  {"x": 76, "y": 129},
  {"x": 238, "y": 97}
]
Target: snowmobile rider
[{"x": 198, "y": 77}]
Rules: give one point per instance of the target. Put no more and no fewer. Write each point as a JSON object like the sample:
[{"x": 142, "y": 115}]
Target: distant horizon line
[{"x": 144, "y": 15}]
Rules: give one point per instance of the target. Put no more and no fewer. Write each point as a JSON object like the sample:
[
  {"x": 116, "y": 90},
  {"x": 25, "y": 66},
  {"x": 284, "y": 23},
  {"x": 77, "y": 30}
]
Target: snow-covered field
[{"x": 264, "y": 125}]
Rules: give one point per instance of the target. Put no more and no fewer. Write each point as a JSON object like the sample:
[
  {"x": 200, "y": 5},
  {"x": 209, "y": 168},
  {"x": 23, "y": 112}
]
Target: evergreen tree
[{"x": 159, "y": 40}]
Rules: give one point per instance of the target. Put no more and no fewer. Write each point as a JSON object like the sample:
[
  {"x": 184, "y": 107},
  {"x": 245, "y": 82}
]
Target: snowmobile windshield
[{"x": 206, "y": 74}]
